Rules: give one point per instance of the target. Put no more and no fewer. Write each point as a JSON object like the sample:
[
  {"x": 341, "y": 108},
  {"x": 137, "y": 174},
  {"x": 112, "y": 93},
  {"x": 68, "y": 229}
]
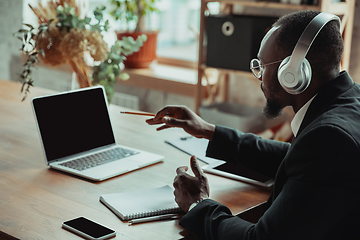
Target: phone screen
[{"x": 89, "y": 227}]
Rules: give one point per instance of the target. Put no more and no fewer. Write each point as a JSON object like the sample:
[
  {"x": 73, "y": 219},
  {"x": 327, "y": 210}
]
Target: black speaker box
[{"x": 233, "y": 40}]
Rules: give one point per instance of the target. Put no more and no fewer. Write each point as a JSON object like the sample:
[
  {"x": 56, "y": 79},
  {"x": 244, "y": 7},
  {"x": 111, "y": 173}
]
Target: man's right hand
[{"x": 183, "y": 117}]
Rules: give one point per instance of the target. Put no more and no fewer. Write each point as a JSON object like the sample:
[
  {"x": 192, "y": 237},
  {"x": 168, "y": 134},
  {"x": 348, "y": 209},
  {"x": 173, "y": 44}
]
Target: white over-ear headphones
[{"x": 294, "y": 72}]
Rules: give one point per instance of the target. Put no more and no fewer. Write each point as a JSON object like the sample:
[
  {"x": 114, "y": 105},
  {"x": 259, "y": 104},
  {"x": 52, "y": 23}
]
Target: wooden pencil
[{"x": 138, "y": 113}]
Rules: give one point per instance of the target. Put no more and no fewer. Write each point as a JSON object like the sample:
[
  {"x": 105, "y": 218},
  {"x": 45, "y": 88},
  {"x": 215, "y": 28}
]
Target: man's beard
[{"x": 272, "y": 109}]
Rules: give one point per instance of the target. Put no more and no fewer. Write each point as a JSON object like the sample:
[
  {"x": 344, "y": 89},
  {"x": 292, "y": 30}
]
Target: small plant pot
[{"x": 146, "y": 54}]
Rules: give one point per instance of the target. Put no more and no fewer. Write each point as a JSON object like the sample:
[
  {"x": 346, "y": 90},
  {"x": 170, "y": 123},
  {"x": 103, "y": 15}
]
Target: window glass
[{"x": 178, "y": 22}]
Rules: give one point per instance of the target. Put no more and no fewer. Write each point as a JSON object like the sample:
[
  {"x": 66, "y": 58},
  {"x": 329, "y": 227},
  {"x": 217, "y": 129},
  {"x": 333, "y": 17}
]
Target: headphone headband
[{"x": 308, "y": 36}]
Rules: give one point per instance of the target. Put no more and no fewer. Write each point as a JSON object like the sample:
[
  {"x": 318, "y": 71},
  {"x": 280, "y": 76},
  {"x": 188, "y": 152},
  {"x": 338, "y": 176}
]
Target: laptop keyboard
[{"x": 97, "y": 159}]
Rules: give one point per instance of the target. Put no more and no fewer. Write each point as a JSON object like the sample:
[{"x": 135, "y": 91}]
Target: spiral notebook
[{"x": 141, "y": 203}]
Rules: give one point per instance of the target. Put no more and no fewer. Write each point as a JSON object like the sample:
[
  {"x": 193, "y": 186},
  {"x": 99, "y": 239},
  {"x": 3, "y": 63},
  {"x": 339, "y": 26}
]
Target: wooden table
[{"x": 35, "y": 200}]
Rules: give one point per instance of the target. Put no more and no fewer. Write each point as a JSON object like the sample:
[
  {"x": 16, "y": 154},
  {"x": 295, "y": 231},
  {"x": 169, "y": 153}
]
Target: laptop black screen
[{"x": 73, "y": 122}]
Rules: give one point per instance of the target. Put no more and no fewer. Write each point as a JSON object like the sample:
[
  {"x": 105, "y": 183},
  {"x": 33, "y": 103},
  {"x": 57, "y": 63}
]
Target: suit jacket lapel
[{"x": 324, "y": 98}]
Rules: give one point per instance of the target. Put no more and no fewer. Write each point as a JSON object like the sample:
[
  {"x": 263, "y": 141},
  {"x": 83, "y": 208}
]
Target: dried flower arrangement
[{"x": 64, "y": 37}]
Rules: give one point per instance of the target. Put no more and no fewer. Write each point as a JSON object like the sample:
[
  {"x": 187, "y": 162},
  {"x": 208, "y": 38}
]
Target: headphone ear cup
[
  {"x": 284, "y": 70},
  {"x": 294, "y": 81},
  {"x": 306, "y": 75},
  {"x": 281, "y": 69}
]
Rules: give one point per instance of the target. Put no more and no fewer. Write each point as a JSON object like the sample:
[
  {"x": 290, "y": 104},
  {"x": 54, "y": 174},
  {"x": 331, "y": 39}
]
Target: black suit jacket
[{"x": 316, "y": 194}]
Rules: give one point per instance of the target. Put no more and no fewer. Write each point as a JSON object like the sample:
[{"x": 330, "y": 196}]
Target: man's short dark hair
[{"x": 326, "y": 51}]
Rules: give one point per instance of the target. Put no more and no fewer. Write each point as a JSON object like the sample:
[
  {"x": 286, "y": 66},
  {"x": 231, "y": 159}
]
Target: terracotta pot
[{"x": 146, "y": 53}]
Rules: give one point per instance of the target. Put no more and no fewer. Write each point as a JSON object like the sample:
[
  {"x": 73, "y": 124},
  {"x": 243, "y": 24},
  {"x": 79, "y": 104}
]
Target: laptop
[{"x": 77, "y": 136}]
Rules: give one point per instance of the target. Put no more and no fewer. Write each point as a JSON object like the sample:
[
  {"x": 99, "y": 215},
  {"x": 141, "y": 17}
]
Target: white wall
[
  {"x": 10, "y": 22},
  {"x": 354, "y": 68}
]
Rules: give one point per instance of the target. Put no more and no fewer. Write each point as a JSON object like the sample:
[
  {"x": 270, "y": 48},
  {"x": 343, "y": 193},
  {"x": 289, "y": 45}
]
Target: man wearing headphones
[{"x": 316, "y": 194}]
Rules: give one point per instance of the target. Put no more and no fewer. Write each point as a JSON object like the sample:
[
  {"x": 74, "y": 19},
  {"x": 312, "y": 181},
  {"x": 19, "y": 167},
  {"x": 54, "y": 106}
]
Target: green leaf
[
  {"x": 102, "y": 75},
  {"x": 87, "y": 20},
  {"x": 143, "y": 37},
  {"x": 74, "y": 22},
  {"x": 124, "y": 76},
  {"x": 42, "y": 52},
  {"x": 60, "y": 8},
  {"x": 111, "y": 77},
  {"x": 103, "y": 82},
  {"x": 29, "y": 26},
  {"x": 107, "y": 25},
  {"x": 23, "y": 31},
  {"x": 72, "y": 11}
]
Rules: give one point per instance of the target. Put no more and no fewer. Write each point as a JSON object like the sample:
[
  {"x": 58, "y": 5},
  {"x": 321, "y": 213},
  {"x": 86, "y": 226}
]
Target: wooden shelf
[
  {"x": 172, "y": 79},
  {"x": 337, "y": 8},
  {"x": 264, "y": 4}
]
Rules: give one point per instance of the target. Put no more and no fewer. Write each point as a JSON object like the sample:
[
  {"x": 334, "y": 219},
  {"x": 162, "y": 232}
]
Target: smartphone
[{"x": 88, "y": 228}]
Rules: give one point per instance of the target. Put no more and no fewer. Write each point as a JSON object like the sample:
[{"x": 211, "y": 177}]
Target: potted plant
[
  {"x": 63, "y": 37},
  {"x": 132, "y": 12}
]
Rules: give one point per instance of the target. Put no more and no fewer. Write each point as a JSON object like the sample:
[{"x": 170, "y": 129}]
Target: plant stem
[{"x": 82, "y": 74}]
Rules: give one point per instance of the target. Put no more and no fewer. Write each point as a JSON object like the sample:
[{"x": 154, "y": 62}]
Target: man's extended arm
[{"x": 259, "y": 154}]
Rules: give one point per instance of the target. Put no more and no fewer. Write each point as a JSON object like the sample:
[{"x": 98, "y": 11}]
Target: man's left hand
[{"x": 190, "y": 189}]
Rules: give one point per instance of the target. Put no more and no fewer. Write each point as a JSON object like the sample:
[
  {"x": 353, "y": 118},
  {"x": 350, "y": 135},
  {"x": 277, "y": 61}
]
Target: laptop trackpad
[{"x": 121, "y": 165}]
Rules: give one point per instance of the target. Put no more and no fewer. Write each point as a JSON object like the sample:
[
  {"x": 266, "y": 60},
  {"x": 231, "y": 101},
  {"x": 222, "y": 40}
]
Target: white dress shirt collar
[{"x": 299, "y": 117}]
